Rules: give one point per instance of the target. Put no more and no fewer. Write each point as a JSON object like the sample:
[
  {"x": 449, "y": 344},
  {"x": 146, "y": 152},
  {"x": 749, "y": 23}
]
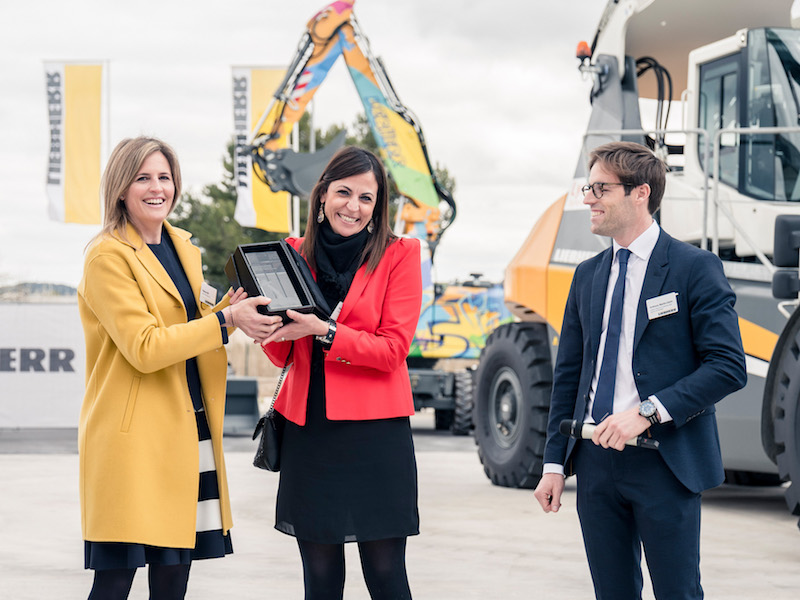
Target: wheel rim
[{"x": 504, "y": 402}]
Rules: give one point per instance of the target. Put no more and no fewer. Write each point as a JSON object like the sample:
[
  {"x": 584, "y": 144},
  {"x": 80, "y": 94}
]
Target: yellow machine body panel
[{"x": 526, "y": 285}]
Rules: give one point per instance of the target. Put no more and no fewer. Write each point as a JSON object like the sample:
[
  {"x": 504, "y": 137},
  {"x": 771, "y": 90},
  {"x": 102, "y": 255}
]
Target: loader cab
[
  {"x": 749, "y": 80},
  {"x": 758, "y": 86},
  {"x": 718, "y": 108}
]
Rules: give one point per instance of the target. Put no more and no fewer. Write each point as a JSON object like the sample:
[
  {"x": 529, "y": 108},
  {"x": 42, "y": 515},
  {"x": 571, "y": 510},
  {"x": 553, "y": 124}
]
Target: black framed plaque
[{"x": 271, "y": 269}]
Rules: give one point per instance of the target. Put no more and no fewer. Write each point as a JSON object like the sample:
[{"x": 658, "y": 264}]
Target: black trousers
[{"x": 628, "y": 500}]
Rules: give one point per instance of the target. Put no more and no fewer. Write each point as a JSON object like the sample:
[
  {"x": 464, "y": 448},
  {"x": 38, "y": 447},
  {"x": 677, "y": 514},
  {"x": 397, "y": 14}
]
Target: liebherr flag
[
  {"x": 76, "y": 109},
  {"x": 256, "y": 204}
]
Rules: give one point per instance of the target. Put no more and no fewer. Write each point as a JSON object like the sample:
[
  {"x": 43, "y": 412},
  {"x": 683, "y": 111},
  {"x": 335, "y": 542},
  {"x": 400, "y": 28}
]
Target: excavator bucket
[{"x": 296, "y": 172}]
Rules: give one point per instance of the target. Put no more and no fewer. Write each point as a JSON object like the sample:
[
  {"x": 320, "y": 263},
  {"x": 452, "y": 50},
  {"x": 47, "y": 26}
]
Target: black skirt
[
  {"x": 346, "y": 481},
  {"x": 209, "y": 539}
]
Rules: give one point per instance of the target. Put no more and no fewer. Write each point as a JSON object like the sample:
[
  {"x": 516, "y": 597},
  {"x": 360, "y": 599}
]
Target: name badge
[
  {"x": 661, "y": 306},
  {"x": 208, "y": 294}
]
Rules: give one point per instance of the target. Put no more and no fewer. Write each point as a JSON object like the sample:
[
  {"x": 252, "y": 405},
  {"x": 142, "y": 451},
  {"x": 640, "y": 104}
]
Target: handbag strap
[{"x": 280, "y": 379}]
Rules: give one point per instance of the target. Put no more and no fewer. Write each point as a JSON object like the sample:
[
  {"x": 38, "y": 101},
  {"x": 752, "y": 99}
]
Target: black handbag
[
  {"x": 271, "y": 426},
  {"x": 268, "y": 453}
]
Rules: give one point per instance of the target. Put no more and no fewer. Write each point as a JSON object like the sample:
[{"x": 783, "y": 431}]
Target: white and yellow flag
[
  {"x": 77, "y": 113},
  {"x": 256, "y": 204}
]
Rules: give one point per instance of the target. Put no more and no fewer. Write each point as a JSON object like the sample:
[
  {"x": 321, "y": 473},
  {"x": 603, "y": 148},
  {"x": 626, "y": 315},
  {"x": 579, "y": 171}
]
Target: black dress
[{"x": 345, "y": 481}]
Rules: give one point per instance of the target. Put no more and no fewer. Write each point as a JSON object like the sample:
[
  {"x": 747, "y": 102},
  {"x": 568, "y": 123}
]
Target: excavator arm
[{"x": 331, "y": 33}]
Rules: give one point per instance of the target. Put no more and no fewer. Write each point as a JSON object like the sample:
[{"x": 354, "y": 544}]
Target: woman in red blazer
[{"x": 348, "y": 472}]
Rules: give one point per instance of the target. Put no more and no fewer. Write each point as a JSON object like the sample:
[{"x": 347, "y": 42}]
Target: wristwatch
[
  {"x": 327, "y": 339},
  {"x": 648, "y": 410}
]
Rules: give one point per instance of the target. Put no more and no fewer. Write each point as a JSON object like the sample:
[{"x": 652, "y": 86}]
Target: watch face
[{"x": 647, "y": 408}]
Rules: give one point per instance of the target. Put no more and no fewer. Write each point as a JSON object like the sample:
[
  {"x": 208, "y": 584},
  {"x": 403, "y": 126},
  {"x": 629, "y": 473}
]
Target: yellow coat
[{"x": 137, "y": 439}]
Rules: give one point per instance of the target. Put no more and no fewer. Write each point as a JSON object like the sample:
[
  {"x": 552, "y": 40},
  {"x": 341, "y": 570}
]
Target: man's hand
[
  {"x": 549, "y": 490},
  {"x": 618, "y": 428}
]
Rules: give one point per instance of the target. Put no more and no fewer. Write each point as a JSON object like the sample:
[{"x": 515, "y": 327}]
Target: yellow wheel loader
[{"x": 730, "y": 69}]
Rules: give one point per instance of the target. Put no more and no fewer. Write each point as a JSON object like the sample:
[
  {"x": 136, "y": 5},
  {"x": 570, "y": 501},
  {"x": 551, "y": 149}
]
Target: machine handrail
[
  {"x": 711, "y": 147},
  {"x": 716, "y": 147},
  {"x": 706, "y": 156}
]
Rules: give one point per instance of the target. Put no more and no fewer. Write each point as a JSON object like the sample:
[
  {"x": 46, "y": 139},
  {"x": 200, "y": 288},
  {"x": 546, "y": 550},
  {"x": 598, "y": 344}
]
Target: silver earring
[
  {"x": 320, "y": 215},
  {"x": 370, "y": 226}
]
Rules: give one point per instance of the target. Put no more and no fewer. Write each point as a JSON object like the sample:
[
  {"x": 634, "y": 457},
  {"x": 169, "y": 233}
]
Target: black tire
[
  {"x": 782, "y": 397},
  {"x": 443, "y": 418},
  {"x": 513, "y": 385},
  {"x": 464, "y": 402}
]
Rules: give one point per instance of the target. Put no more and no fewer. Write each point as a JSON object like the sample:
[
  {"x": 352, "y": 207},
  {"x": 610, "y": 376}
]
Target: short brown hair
[
  {"x": 122, "y": 168},
  {"x": 634, "y": 165},
  {"x": 349, "y": 161}
]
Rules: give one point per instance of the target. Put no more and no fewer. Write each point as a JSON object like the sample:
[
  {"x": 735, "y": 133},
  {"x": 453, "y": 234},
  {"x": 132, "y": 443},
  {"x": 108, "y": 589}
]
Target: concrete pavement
[{"x": 478, "y": 541}]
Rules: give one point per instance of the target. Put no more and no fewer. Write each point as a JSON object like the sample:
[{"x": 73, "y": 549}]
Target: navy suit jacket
[{"x": 690, "y": 359}]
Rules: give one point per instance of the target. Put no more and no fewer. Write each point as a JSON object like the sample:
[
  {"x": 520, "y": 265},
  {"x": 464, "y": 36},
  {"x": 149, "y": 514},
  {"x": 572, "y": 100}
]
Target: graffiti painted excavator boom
[
  {"x": 331, "y": 33},
  {"x": 455, "y": 319}
]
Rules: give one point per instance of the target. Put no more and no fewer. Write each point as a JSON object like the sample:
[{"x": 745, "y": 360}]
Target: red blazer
[{"x": 365, "y": 368}]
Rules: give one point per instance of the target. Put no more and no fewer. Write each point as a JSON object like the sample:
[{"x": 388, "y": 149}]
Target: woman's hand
[
  {"x": 300, "y": 326},
  {"x": 237, "y": 295},
  {"x": 244, "y": 315}
]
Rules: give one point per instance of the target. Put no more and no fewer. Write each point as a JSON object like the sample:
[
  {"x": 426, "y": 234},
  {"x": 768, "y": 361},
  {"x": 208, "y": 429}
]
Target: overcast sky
[{"x": 494, "y": 85}]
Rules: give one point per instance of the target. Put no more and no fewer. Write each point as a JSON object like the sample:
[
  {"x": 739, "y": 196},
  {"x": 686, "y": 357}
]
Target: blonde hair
[{"x": 123, "y": 166}]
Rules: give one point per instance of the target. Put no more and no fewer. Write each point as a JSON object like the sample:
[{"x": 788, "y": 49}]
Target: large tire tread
[
  {"x": 464, "y": 403},
  {"x": 784, "y": 403},
  {"x": 524, "y": 348}
]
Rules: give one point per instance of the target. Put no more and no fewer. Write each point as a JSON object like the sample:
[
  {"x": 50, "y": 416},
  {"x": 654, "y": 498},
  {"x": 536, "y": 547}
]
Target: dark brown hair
[
  {"x": 347, "y": 162},
  {"x": 634, "y": 165}
]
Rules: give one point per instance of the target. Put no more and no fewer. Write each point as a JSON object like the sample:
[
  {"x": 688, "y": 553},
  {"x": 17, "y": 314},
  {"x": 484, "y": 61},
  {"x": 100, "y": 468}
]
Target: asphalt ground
[{"x": 478, "y": 541}]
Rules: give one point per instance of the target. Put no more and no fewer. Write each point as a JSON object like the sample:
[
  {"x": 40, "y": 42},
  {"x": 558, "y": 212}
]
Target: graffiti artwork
[{"x": 456, "y": 323}]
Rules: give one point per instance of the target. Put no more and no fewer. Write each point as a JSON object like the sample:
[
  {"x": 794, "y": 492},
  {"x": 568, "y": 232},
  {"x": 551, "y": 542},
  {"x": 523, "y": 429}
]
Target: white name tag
[
  {"x": 661, "y": 306},
  {"x": 208, "y": 294}
]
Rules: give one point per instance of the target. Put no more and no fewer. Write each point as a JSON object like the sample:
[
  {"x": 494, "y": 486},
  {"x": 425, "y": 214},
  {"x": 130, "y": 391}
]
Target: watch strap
[{"x": 327, "y": 339}]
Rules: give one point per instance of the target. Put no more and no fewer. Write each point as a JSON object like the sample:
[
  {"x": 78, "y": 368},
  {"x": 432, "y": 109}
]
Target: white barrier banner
[{"x": 42, "y": 365}]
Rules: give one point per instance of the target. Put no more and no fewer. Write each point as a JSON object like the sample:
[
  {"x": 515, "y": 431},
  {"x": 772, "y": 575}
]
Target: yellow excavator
[{"x": 731, "y": 70}]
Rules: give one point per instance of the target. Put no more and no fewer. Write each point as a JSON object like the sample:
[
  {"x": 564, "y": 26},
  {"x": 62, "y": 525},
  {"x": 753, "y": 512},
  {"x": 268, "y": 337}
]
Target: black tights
[
  {"x": 383, "y": 563},
  {"x": 167, "y": 582}
]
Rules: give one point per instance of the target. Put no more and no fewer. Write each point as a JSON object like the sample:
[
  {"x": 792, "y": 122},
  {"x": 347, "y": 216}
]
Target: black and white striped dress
[{"x": 210, "y": 542}]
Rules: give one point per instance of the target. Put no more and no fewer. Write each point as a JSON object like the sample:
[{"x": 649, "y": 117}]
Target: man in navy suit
[{"x": 648, "y": 357}]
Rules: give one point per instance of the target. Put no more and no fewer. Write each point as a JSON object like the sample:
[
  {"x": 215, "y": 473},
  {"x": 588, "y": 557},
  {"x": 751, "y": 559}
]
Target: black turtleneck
[{"x": 338, "y": 258}]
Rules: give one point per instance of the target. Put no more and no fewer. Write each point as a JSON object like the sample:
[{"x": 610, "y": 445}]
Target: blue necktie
[{"x": 604, "y": 394}]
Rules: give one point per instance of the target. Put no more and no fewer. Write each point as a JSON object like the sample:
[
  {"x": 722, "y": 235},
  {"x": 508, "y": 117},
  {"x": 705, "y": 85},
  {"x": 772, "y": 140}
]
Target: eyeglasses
[{"x": 599, "y": 188}]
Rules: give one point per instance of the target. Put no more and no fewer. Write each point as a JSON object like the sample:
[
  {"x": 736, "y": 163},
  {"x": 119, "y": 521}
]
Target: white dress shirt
[{"x": 626, "y": 395}]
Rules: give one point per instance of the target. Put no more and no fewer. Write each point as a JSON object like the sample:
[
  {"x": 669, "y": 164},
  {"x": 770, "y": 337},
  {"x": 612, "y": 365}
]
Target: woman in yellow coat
[{"x": 152, "y": 476}]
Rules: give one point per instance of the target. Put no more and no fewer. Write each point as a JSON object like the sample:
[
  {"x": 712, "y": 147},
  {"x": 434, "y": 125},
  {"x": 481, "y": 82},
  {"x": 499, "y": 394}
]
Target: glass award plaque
[{"x": 270, "y": 269}]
